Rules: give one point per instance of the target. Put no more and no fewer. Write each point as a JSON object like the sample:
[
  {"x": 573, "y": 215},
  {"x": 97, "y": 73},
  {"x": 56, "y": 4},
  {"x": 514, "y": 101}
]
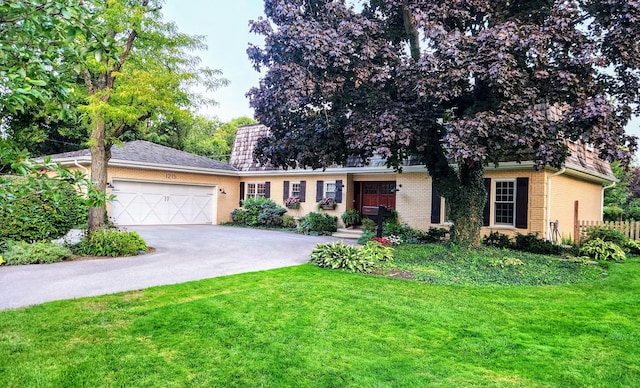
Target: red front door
[{"x": 378, "y": 193}]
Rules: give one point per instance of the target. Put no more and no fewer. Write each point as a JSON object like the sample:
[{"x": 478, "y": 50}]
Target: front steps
[{"x": 348, "y": 233}]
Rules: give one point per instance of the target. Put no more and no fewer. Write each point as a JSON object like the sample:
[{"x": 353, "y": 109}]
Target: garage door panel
[{"x": 143, "y": 203}]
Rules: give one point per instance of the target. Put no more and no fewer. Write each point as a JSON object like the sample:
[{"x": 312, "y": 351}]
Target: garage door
[{"x": 143, "y": 203}]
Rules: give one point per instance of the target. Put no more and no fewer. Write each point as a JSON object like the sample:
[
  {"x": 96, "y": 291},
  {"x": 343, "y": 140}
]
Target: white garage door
[{"x": 143, "y": 203}]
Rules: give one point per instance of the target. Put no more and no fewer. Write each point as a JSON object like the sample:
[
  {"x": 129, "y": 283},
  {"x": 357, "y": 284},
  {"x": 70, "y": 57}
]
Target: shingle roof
[
  {"x": 141, "y": 151},
  {"x": 246, "y": 141}
]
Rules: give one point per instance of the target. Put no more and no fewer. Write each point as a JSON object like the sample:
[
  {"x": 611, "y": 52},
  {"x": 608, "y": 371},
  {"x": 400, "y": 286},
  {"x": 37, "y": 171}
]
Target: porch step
[{"x": 351, "y": 234}]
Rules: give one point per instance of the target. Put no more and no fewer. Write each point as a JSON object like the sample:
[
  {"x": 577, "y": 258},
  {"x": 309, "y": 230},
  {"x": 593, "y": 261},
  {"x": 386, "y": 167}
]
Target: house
[{"x": 159, "y": 185}]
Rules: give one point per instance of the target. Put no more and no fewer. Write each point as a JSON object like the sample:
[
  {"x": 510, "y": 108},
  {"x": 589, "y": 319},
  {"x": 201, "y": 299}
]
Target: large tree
[
  {"x": 140, "y": 70},
  {"x": 460, "y": 84}
]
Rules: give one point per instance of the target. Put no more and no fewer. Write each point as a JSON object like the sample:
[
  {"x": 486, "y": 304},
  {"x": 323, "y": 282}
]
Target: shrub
[
  {"x": 318, "y": 224},
  {"x": 35, "y": 253},
  {"x": 351, "y": 217},
  {"x": 497, "y": 239},
  {"x": 533, "y": 244},
  {"x": 39, "y": 215},
  {"x": 606, "y": 234},
  {"x": 262, "y": 211},
  {"x": 599, "y": 249},
  {"x": 110, "y": 242},
  {"x": 377, "y": 252},
  {"x": 366, "y": 236},
  {"x": 289, "y": 221},
  {"x": 405, "y": 233},
  {"x": 369, "y": 225},
  {"x": 632, "y": 246},
  {"x": 436, "y": 234},
  {"x": 239, "y": 216}
]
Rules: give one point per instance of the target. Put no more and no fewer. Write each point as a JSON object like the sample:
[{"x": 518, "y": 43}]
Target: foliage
[
  {"x": 110, "y": 242},
  {"x": 491, "y": 83},
  {"x": 406, "y": 233},
  {"x": 435, "y": 263},
  {"x": 534, "y": 244},
  {"x": 292, "y": 203},
  {"x": 632, "y": 246},
  {"x": 497, "y": 240},
  {"x": 366, "y": 236},
  {"x": 351, "y": 217},
  {"x": 318, "y": 224},
  {"x": 369, "y": 225},
  {"x": 326, "y": 203},
  {"x": 606, "y": 234},
  {"x": 436, "y": 234},
  {"x": 261, "y": 211},
  {"x": 338, "y": 255},
  {"x": 599, "y": 249},
  {"x": 341, "y": 256},
  {"x": 621, "y": 202},
  {"x": 21, "y": 252},
  {"x": 211, "y": 138},
  {"x": 384, "y": 241},
  {"x": 289, "y": 222},
  {"x": 42, "y": 214},
  {"x": 239, "y": 216}
]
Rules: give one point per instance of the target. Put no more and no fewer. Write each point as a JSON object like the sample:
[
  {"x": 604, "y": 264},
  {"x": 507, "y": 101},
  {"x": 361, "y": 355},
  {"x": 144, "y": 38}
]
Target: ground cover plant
[{"x": 312, "y": 327}]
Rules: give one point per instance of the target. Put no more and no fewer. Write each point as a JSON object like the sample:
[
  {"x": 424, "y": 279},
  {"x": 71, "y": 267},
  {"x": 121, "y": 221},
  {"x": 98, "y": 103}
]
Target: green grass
[{"x": 310, "y": 327}]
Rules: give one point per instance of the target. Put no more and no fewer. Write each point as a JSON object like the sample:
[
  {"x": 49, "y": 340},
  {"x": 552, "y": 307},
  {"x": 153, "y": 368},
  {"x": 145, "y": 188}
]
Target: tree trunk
[
  {"x": 99, "y": 159},
  {"x": 466, "y": 206}
]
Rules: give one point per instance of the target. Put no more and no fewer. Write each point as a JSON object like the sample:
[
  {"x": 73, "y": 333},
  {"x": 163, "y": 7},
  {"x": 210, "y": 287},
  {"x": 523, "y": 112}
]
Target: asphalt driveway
[{"x": 183, "y": 253}]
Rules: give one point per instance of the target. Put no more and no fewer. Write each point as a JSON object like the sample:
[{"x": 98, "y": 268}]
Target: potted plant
[
  {"x": 351, "y": 217},
  {"x": 292, "y": 203},
  {"x": 327, "y": 204}
]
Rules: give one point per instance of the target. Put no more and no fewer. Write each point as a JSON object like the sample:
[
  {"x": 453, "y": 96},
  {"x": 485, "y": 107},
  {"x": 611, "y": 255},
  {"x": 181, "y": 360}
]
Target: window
[
  {"x": 330, "y": 190},
  {"x": 295, "y": 190},
  {"x": 505, "y": 202},
  {"x": 256, "y": 190}
]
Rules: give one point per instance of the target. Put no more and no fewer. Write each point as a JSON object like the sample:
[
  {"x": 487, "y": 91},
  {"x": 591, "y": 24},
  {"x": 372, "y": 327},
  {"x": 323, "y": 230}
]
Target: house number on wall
[{"x": 171, "y": 175}]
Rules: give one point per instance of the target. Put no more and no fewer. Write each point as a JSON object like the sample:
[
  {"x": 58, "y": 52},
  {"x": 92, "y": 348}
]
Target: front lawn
[{"x": 310, "y": 327}]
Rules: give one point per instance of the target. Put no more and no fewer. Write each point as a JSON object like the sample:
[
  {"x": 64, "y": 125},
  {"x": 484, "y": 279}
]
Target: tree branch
[{"x": 412, "y": 32}]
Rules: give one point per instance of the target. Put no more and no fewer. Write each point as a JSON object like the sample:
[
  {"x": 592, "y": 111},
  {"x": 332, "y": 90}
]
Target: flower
[
  {"x": 383, "y": 240},
  {"x": 327, "y": 201},
  {"x": 292, "y": 202}
]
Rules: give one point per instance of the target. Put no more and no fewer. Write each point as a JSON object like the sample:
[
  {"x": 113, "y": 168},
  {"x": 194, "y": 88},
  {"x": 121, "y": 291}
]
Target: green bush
[
  {"x": 405, "y": 233},
  {"x": 366, "y": 236},
  {"x": 377, "y": 252},
  {"x": 35, "y": 253},
  {"x": 497, "y": 239},
  {"x": 599, "y": 249},
  {"x": 110, "y": 242},
  {"x": 606, "y": 234},
  {"x": 369, "y": 225},
  {"x": 262, "y": 211},
  {"x": 239, "y": 216},
  {"x": 289, "y": 221},
  {"x": 633, "y": 247},
  {"x": 318, "y": 224},
  {"x": 533, "y": 244},
  {"x": 436, "y": 234},
  {"x": 351, "y": 217},
  {"x": 27, "y": 215}
]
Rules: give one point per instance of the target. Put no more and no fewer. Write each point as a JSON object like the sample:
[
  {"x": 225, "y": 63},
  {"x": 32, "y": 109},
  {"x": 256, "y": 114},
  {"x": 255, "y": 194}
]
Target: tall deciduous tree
[
  {"x": 459, "y": 83},
  {"x": 140, "y": 70}
]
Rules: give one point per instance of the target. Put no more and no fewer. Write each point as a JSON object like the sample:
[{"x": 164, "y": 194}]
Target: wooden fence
[{"x": 631, "y": 229}]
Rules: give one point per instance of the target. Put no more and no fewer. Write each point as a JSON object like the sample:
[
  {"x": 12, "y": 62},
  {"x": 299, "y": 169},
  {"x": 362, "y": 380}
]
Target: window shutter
[
  {"x": 319, "y": 188},
  {"x": 285, "y": 190},
  {"x": 435, "y": 205},
  {"x": 522, "y": 203},
  {"x": 303, "y": 190},
  {"x": 339, "y": 191},
  {"x": 486, "y": 213},
  {"x": 241, "y": 193},
  {"x": 267, "y": 189}
]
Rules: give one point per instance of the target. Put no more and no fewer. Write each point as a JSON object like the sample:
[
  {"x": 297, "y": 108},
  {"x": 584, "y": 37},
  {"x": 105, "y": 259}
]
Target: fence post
[{"x": 576, "y": 224}]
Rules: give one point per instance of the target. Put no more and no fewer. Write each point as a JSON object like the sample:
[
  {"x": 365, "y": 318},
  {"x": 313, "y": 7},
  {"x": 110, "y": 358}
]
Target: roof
[
  {"x": 146, "y": 153},
  {"x": 585, "y": 158},
  {"x": 245, "y": 142}
]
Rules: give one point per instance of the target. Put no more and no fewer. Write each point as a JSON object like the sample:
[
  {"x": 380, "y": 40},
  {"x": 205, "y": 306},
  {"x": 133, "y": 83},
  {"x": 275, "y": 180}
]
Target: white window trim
[
  {"x": 325, "y": 187},
  {"x": 492, "y": 205},
  {"x": 247, "y": 192},
  {"x": 291, "y": 189}
]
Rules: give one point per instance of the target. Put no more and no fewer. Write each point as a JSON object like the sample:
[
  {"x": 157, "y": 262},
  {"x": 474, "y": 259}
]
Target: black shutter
[
  {"x": 285, "y": 190},
  {"x": 486, "y": 213},
  {"x": 435, "y": 205},
  {"x": 267, "y": 189},
  {"x": 522, "y": 203},
  {"x": 241, "y": 193},
  {"x": 319, "y": 188},
  {"x": 303, "y": 190},
  {"x": 339, "y": 191}
]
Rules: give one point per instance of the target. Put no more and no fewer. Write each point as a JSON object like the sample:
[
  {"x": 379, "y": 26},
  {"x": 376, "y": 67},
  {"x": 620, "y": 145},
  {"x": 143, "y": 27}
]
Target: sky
[{"x": 225, "y": 24}]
